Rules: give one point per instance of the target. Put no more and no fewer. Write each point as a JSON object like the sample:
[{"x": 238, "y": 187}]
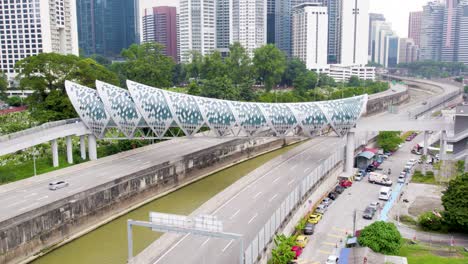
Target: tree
[
  {"x": 389, "y": 140},
  {"x": 14, "y": 101},
  {"x": 305, "y": 81},
  {"x": 283, "y": 254},
  {"x": 3, "y": 85},
  {"x": 455, "y": 203},
  {"x": 146, "y": 64},
  {"x": 269, "y": 63},
  {"x": 239, "y": 65},
  {"x": 354, "y": 81},
  {"x": 194, "y": 68},
  {"x": 381, "y": 237},
  {"x": 325, "y": 80},
  {"x": 219, "y": 87},
  {"x": 294, "y": 68},
  {"x": 213, "y": 66},
  {"x": 431, "y": 222},
  {"x": 193, "y": 88},
  {"x": 465, "y": 89}
]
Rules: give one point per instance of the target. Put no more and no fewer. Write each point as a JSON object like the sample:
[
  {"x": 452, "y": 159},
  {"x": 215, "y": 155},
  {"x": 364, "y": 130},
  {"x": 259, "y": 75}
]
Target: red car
[
  {"x": 346, "y": 183},
  {"x": 297, "y": 250}
]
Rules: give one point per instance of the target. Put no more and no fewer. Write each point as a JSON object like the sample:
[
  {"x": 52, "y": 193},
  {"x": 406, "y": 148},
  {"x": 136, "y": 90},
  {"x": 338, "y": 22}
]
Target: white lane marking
[
  {"x": 276, "y": 179},
  {"x": 13, "y": 204},
  {"x": 29, "y": 195},
  {"x": 224, "y": 249},
  {"x": 255, "y": 197},
  {"x": 306, "y": 169},
  {"x": 206, "y": 241},
  {"x": 42, "y": 198},
  {"x": 234, "y": 215},
  {"x": 290, "y": 182},
  {"x": 253, "y": 217},
  {"x": 293, "y": 167},
  {"x": 27, "y": 207},
  {"x": 171, "y": 248},
  {"x": 272, "y": 198}
]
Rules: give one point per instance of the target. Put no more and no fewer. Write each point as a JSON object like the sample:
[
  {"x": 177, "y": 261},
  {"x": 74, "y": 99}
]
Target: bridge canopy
[{"x": 149, "y": 112}]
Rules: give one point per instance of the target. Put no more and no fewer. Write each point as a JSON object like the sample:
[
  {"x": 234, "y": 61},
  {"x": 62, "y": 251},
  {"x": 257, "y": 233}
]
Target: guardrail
[
  {"x": 36, "y": 129},
  {"x": 266, "y": 234},
  {"x": 432, "y": 104}
]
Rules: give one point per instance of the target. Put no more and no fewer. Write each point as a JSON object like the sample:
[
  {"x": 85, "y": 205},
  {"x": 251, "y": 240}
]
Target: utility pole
[{"x": 354, "y": 222}]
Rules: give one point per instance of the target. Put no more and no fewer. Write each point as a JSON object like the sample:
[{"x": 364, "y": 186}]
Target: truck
[{"x": 379, "y": 178}]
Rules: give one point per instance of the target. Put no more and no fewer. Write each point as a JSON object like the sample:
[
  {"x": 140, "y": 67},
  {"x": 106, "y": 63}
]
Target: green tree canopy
[
  {"x": 3, "y": 85},
  {"x": 455, "y": 203},
  {"x": 213, "y": 66},
  {"x": 389, "y": 140},
  {"x": 305, "y": 81},
  {"x": 146, "y": 64},
  {"x": 239, "y": 65},
  {"x": 354, "y": 81},
  {"x": 219, "y": 87},
  {"x": 294, "y": 68},
  {"x": 269, "y": 63},
  {"x": 381, "y": 237},
  {"x": 283, "y": 254}
]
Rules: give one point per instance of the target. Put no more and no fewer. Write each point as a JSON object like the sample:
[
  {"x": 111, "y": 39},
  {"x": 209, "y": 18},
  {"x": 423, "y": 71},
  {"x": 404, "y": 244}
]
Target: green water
[{"x": 108, "y": 244}]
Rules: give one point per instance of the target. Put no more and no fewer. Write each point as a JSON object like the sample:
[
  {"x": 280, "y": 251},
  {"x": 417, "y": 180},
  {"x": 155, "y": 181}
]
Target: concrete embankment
[{"x": 26, "y": 235}]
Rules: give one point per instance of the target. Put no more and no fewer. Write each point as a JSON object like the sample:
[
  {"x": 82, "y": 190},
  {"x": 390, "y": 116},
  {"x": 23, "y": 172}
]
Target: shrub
[
  {"x": 430, "y": 222},
  {"x": 381, "y": 237}
]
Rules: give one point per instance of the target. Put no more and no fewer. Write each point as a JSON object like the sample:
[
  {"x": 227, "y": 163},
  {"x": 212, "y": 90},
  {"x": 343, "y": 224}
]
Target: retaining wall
[
  {"x": 28, "y": 234},
  {"x": 381, "y": 104}
]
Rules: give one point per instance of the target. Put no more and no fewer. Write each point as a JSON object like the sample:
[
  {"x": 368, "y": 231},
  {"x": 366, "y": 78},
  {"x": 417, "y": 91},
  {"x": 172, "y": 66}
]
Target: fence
[{"x": 266, "y": 234}]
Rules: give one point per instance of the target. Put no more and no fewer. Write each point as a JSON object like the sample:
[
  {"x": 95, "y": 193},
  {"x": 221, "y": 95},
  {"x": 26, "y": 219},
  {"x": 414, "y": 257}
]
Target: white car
[
  {"x": 57, "y": 185},
  {"x": 401, "y": 179},
  {"x": 332, "y": 259},
  {"x": 374, "y": 205}
]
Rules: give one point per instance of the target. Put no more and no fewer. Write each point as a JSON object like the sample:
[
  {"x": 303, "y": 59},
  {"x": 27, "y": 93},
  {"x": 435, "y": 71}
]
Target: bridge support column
[
  {"x": 426, "y": 140},
  {"x": 92, "y": 147},
  {"x": 350, "y": 147},
  {"x": 443, "y": 148},
  {"x": 82, "y": 147},
  {"x": 55, "y": 157},
  {"x": 68, "y": 140}
]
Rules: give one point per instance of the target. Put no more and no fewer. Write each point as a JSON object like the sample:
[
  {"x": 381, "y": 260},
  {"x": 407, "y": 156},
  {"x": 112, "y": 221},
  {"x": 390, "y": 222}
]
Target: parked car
[
  {"x": 314, "y": 218},
  {"x": 302, "y": 241},
  {"x": 379, "y": 178},
  {"x": 332, "y": 259},
  {"x": 308, "y": 229},
  {"x": 370, "y": 168},
  {"x": 369, "y": 213},
  {"x": 55, "y": 185},
  {"x": 321, "y": 209},
  {"x": 345, "y": 183},
  {"x": 339, "y": 189},
  {"x": 374, "y": 205},
  {"x": 297, "y": 251},
  {"x": 327, "y": 201},
  {"x": 401, "y": 179},
  {"x": 333, "y": 195}
]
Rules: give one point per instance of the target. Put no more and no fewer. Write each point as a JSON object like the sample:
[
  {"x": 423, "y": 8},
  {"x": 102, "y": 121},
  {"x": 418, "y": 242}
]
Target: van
[
  {"x": 379, "y": 178},
  {"x": 385, "y": 193}
]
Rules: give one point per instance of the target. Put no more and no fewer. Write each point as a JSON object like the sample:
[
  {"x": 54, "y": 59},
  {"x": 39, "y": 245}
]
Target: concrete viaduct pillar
[
  {"x": 55, "y": 157},
  {"x": 426, "y": 140},
  {"x": 349, "y": 157},
  {"x": 83, "y": 147},
  {"x": 68, "y": 141},
  {"x": 92, "y": 147},
  {"x": 443, "y": 145}
]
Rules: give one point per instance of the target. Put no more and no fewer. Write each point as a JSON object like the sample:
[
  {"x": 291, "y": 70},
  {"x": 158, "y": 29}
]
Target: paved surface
[{"x": 22, "y": 196}]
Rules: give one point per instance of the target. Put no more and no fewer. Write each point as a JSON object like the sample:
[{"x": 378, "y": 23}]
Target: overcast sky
[{"x": 396, "y": 11}]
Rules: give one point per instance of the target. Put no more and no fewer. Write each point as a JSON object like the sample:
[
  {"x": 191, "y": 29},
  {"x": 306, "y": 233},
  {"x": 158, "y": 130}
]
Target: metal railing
[
  {"x": 36, "y": 129},
  {"x": 430, "y": 104}
]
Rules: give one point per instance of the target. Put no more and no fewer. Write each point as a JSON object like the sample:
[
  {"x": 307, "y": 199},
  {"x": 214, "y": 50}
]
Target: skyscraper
[
  {"x": 414, "y": 27},
  {"x": 249, "y": 23},
  {"x": 197, "y": 27},
  {"x": 223, "y": 25},
  {"x": 450, "y": 32},
  {"x": 462, "y": 42},
  {"x": 392, "y": 51},
  {"x": 354, "y": 32},
  {"x": 283, "y": 24},
  {"x": 379, "y": 30},
  {"x": 51, "y": 27},
  {"x": 409, "y": 51},
  {"x": 373, "y": 17},
  {"x": 160, "y": 25},
  {"x": 334, "y": 30},
  {"x": 107, "y": 27},
  {"x": 271, "y": 21},
  {"x": 309, "y": 35},
  {"x": 431, "y": 31}
]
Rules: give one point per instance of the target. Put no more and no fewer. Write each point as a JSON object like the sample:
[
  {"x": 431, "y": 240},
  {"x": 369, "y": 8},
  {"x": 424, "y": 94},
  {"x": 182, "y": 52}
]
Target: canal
[{"x": 108, "y": 243}]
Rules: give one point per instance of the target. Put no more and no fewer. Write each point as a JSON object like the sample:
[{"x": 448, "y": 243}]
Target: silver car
[{"x": 57, "y": 185}]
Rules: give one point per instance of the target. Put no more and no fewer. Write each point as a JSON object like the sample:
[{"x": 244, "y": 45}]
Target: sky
[{"x": 395, "y": 11}]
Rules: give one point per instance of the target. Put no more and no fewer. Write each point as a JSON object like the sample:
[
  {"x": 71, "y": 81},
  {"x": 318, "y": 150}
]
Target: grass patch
[
  {"x": 418, "y": 177},
  {"x": 408, "y": 220},
  {"x": 406, "y": 134},
  {"x": 436, "y": 113},
  {"x": 420, "y": 253}
]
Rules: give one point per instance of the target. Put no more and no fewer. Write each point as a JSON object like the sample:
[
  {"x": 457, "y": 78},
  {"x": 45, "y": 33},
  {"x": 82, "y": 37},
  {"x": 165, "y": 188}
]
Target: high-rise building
[
  {"x": 224, "y": 15},
  {"x": 249, "y": 23},
  {"x": 160, "y": 25},
  {"x": 334, "y": 30},
  {"x": 409, "y": 51},
  {"x": 107, "y": 27},
  {"x": 283, "y": 24},
  {"x": 462, "y": 42},
  {"x": 392, "y": 51},
  {"x": 354, "y": 32},
  {"x": 30, "y": 27},
  {"x": 372, "y": 17},
  {"x": 414, "y": 27},
  {"x": 271, "y": 21},
  {"x": 309, "y": 35},
  {"x": 197, "y": 22},
  {"x": 450, "y": 32},
  {"x": 379, "y": 30},
  {"x": 431, "y": 31}
]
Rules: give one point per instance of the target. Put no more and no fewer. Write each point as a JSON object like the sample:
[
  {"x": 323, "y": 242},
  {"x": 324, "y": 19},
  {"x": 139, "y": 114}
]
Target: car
[
  {"x": 308, "y": 229},
  {"x": 321, "y": 209},
  {"x": 357, "y": 177},
  {"x": 297, "y": 251},
  {"x": 374, "y": 205},
  {"x": 327, "y": 201},
  {"x": 388, "y": 153},
  {"x": 302, "y": 241},
  {"x": 384, "y": 156},
  {"x": 369, "y": 213},
  {"x": 333, "y": 195},
  {"x": 314, "y": 218},
  {"x": 55, "y": 185},
  {"x": 332, "y": 259},
  {"x": 401, "y": 179},
  {"x": 345, "y": 183},
  {"x": 409, "y": 138},
  {"x": 370, "y": 168},
  {"x": 424, "y": 103},
  {"x": 339, "y": 189}
]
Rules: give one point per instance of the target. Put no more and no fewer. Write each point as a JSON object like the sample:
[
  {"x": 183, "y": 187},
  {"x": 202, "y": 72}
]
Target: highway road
[
  {"x": 22, "y": 196},
  {"x": 248, "y": 210}
]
